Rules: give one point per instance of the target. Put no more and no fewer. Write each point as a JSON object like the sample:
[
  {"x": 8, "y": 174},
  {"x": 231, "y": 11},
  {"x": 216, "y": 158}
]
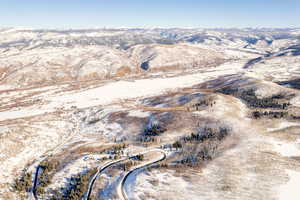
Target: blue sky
[{"x": 149, "y": 13}]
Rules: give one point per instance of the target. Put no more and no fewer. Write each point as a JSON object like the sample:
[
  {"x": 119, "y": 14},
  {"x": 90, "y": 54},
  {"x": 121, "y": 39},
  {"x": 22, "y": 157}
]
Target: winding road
[
  {"x": 34, "y": 196},
  {"x": 121, "y": 190},
  {"x": 100, "y": 170}
]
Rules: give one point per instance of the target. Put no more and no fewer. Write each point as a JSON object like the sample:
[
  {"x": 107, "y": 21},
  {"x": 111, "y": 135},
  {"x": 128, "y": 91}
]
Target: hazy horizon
[
  {"x": 136, "y": 14},
  {"x": 150, "y": 27}
]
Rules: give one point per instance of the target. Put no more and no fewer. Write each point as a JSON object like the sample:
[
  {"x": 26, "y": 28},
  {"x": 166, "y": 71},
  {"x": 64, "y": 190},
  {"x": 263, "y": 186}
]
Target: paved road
[
  {"x": 109, "y": 164},
  {"x": 100, "y": 170},
  {"x": 33, "y": 194},
  {"x": 121, "y": 188}
]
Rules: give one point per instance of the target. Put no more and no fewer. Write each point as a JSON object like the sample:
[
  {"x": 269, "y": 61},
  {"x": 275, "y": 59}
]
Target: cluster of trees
[
  {"x": 127, "y": 165},
  {"x": 271, "y": 114},
  {"x": 150, "y": 133},
  {"x": 24, "y": 183},
  {"x": 177, "y": 145},
  {"x": 193, "y": 153},
  {"x": 139, "y": 157},
  {"x": 228, "y": 91},
  {"x": 46, "y": 174},
  {"x": 292, "y": 83},
  {"x": 117, "y": 149},
  {"x": 197, "y": 106},
  {"x": 77, "y": 186},
  {"x": 160, "y": 165},
  {"x": 205, "y": 134},
  {"x": 250, "y": 98},
  {"x": 147, "y": 139},
  {"x": 200, "y": 146},
  {"x": 295, "y": 117},
  {"x": 134, "y": 160},
  {"x": 154, "y": 130},
  {"x": 202, "y": 135},
  {"x": 189, "y": 160},
  {"x": 268, "y": 102},
  {"x": 197, "y": 147},
  {"x": 279, "y": 96},
  {"x": 205, "y": 151}
]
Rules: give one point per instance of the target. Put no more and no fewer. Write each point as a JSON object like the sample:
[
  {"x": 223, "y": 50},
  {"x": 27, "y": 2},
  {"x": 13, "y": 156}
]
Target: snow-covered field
[
  {"x": 117, "y": 91},
  {"x": 290, "y": 190},
  {"x": 73, "y": 93}
]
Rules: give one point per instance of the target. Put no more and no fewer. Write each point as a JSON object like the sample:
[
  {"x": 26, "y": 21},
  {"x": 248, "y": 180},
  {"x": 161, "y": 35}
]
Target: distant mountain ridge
[{"x": 49, "y": 56}]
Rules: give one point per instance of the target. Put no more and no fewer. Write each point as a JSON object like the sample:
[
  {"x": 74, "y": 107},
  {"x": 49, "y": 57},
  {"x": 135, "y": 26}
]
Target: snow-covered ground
[
  {"x": 156, "y": 184},
  {"x": 291, "y": 149},
  {"x": 121, "y": 90},
  {"x": 290, "y": 191},
  {"x": 283, "y": 125},
  {"x": 84, "y": 106}
]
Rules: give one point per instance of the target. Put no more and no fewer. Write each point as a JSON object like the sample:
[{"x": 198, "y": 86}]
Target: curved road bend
[
  {"x": 121, "y": 189},
  {"x": 100, "y": 170},
  {"x": 109, "y": 164}
]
